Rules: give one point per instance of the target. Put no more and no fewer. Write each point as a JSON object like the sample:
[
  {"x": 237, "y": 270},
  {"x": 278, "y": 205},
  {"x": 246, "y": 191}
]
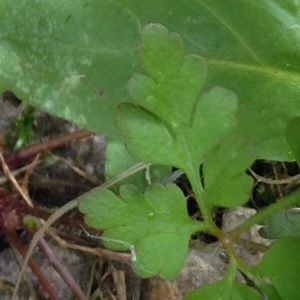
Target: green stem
[
  {"x": 129, "y": 172},
  {"x": 205, "y": 209},
  {"x": 267, "y": 212},
  {"x": 244, "y": 268}
]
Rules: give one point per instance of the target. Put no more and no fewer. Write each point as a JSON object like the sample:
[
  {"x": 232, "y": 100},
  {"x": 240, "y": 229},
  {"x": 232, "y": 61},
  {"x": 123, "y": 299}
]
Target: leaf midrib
[
  {"x": 262, "y": 69},
  {"x": 232, "y": 31}
]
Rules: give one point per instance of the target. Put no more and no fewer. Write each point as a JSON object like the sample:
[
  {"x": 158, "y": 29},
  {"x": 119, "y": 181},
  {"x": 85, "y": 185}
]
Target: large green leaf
[
  {"x": 292, "y": 134},
  {"x": 155, "y": 225},
  {"x": 74, "y": 57}
]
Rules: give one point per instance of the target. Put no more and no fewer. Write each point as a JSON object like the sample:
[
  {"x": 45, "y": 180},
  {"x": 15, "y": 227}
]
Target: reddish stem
[
  {"x": 61, "y": 270},
  {"x": 27, "y": 154},
  {"x": 42, "y": 279}
]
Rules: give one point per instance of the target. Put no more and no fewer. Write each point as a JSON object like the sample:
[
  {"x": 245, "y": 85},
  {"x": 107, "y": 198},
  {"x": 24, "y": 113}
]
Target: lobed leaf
[
  {"x": 154, "y": 225},
  {"x": 174, "y": 126}
]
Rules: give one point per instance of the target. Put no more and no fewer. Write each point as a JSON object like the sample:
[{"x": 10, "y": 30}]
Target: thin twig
[
  {"x": 19, "y": 171},
  {"x": 27, "y": 174},
  {"x": 80, "y": 172},
  {"x": 289, "y": 180},
  {"x": 277, "y": 186},
  {"x": 124, "y": 257},
  {"x": 62, "y": 270},
  {"x": 43, "y": 280},
  {"x": 26, "y": 154},
  {"x": 10, "y": 176}
]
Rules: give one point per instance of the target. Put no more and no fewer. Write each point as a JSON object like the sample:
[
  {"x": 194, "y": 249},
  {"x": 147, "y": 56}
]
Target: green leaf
[
  {"x": 280, "y": 268},
  {"x": 71, "y": 58},
  {"x": 224, "y": 290},
  {"x": 117, "y": 160},
  {"x": 224, "y": 170},
  {"x": 175, "y": 126},
  {"x": 293, "y": 137},
  {"x": 154, "y": 225},
  {"x": 166, "y": 256},
  {"x": 283, "y": 224}
]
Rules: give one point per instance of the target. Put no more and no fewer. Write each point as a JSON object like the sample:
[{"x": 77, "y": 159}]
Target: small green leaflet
[
  {"x": 172, "y": 124},
  {"x": 225, "y": 289},
  {"x": 222, "y": 290},
  {"x": 155, "y": 225}
]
